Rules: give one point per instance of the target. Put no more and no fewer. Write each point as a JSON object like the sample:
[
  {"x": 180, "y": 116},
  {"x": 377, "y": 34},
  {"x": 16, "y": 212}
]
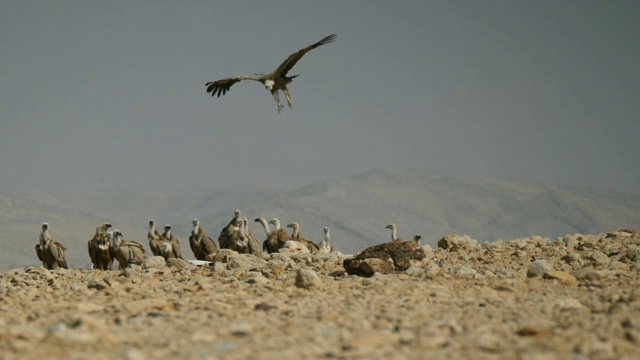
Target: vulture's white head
[{"x": 269, "y": 84}]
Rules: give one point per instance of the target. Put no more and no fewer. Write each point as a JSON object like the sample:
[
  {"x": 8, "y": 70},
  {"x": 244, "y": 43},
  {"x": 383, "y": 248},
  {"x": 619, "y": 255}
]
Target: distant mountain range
[{"x": 357, "y": 209}]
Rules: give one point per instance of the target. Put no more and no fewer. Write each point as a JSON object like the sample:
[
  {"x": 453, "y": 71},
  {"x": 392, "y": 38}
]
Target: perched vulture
[
  {"x": 313, "y": 248},
  {"x": 230, "y": 233},
  {"x": 169, "y": 245},
  {"x": 272, "y": 243},
  {"x": 201, "y": 244},
  {"x": 50, "y": 252},
  {"x": 99, "y": 252},
  {"x": 154, "y": 238},
  {"x": 127, "y": 252}
]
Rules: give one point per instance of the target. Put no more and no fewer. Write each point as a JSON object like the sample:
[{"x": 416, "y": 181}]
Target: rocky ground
[{"x": 575, "y": 297}]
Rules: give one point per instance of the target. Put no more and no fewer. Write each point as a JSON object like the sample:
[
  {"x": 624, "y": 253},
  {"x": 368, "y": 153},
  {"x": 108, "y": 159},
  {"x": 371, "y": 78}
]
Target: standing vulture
[
  {"x": 313, "y": 248},
  {"x": 274, "y": 81},
  {"x": 169, "y": 244},
  {"x": 154, "y": 238},
  {"x": 50, "y": 252},
  {"x": 127, "y": 252},
  {"x": 201, "y": 244},
  {"x": 229, "y": 234},
  {"x": 99, "y": 249}
]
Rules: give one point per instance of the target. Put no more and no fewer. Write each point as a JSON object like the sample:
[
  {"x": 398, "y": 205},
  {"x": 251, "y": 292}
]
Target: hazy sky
[{"x": 98, "y": 94}]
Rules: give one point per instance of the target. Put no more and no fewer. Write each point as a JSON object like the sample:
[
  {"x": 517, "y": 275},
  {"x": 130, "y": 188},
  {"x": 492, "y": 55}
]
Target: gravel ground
[{"x": 575, "y": 297}]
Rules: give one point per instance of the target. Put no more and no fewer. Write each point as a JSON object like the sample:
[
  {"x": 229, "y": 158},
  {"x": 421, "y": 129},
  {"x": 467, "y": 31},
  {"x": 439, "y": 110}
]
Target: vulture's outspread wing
[
  {"x": 220, "y": 87},
  {"x": 293, "y": 58}
]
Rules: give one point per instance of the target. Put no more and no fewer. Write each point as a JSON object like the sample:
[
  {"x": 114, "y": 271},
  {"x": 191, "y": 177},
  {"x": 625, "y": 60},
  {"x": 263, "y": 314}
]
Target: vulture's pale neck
[
  {"x": 276, "y": 223},
  {"x": 393, "y": 233},
  {"x": 196, "y": 228},
  {"x": 296, "y": 230},
  {"x": 152, "y": 230},
  {"x": 117, "y": 240},
  {"x": 45, "y": 237},
  {"x": 242, "y": 230},
  {"x": 265, "y": 225}
]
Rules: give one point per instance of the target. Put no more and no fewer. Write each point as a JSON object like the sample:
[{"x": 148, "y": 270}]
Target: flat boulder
[
  {"x": 177, "y": 263},
  {"x": 454, "y": 242},
  {"x": 154, "y": 262}
]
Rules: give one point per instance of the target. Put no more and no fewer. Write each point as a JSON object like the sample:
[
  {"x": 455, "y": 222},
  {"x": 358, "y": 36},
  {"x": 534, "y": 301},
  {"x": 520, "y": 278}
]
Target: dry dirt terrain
[{"x": 575, "y": 297}]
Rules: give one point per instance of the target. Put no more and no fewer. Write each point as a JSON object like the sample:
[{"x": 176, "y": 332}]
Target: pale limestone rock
[
  {"x": 495, "y": 246},
  {"x": 245, "y": 262},
  {"x": 490, "y": 342},
  {"x": 291, "y": 247},
  {"x": 154, "y": 262},
  {"x": 241, "y": 328},
  {"x": 129, "y": 272},
  {"x": 571, "y": 241},
  {"x": 599, "y": 258},
  {"x": 307, "y": 279},
  {"x": 518, "y": 243},
  {"x": 177, "y": 263},
  {"x": 539, "y": 267},
  {"x": 464, "y": 241},
  {"x": 221, "y": 255},
  {"x": 560, "y": 275},
  {"x": 633, "y": 252},
  {"x": 432, "y": 270},
  {"x": 617, "y": 265},
  {"x": 602, "y": 350},
  {"x": 219, "y": 267},
  {"x": 97, "y": 284},
  {"x": 568, "y": 303},
  {"x": 415, "y": 270},
  {"x": 258, "y": 279},
  {"x": 590, "y": 274},
  {"x": 464, "y": 272}
]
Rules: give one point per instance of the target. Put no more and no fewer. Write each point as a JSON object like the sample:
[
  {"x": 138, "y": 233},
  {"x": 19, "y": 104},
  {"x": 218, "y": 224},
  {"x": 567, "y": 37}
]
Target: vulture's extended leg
[
  {"x": 276, "y": 97},
  {"x": 286, "y": 94}
]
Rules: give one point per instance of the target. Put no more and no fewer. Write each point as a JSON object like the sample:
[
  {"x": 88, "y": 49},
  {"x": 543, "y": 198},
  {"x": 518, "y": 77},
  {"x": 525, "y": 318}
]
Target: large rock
[
  {"x": 454, "y": 241},
  {"x": 245, "y": 261},
  {"x": 539, "y": 267},
  {"x": 307, "y": 279},
  {"x": 384, "y": 258},
  {"x": 221, "y": 255},
  {"x": 561, "y": 276},
  {"x": 154, "y": 262},
  {"x": 177, "y": 263},
  {"x": 599, "y": 258},
  {"x": 292, "y": 247}
]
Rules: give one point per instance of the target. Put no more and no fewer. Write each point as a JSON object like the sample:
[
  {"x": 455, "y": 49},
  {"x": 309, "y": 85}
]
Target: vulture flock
[{"x": 107, "y": 245}]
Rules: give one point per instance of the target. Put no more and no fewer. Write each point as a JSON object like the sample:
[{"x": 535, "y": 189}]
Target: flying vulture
[{"x": 274, "y": 81}]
